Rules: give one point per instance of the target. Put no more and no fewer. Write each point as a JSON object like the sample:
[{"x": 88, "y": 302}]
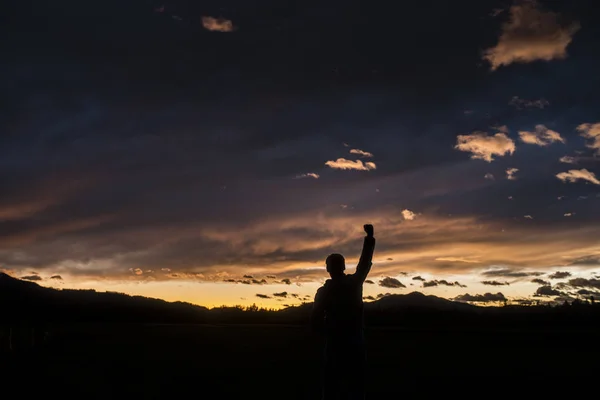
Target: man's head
[{"x": 336, "y": 264}]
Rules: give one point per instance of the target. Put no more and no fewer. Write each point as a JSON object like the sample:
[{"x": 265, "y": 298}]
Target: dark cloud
[
  {"x": 281, "y": 294},
  {"x": 369, "y": 282},
  {"x": 248, "y": 277},
  {"x": 32, "y": 278},
  {"x": 391, "y": 283},
  {"x": 547, "y": 291},
  {"x": 57, "y": 277},
  {"x": 540, "y": 281},
  {"x": 418, "y": 278},
  {"x": 585, "y": 283},
  {"x": 380, "y": 295},
  {"x": 509, "y": 273},
  {"x": 495, "y": 283},
  {"x": 263, "y": 296},
  {"x": 368, "y": 298},
  {"x": 481, "y": 298},
  {"x": 441, "y": 282},
  {"x": 560, "y": 275},
  {"x": 286, "y": 281}
]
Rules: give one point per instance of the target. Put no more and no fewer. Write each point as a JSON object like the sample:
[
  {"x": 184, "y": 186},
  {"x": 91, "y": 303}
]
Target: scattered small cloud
[
  {"x": 57, "y": 277},
  {"x": 530, "y": 34},
  {"x": 442, "y": 282},
  {"x": 540, "y": 281},
  {"x": 361, "y": 153},
  {"x": 370, "y": 282},
  {"x": 32, "y": 278},
  {"x": 520, "y": 104},
  {"x": 495, "y": 283},
  {"x": 568, "y": 214},
  {"x": 560, "y": 275},
  {"x": 263, "y": 296},
  {"x": 574, "y": 175},
  {"x": 408, "y": 215},
  {"x": 481, "y": 298},
  {"x": 568, "y": 160},
  {"x": 528, "y": 217},
  {"x": 287, "y": 281},
  {"x": 592, "y": 133},
  {"x": 308, "y": 175},
  {"x": 585, "y": 283},
  {"x": 217, "y": 24},
  {"x": 281, "y": 294},
  {"x": 505, "y": 272},
  {"x": 489, "y": 176},
  {"x": 485, "y": 147},
  {"x": 418, "y": 278},
  {"x": 391, "y": 283},
  {"x": 547, "y": 291},
  {"x": 541, "y": 136},
  {"x": 344, "y": 164},
  {"x": 510, "y": 174}
]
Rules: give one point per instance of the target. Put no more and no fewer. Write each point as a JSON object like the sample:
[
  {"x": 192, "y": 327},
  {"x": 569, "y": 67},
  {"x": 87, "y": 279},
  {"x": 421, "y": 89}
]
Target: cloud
[
  {"x": 217, "y": 24},
  {"x": 408, "y": 215},
  {"x": 57, "y": 277},
  {"x": 568, "y": 214},
  {"x": 573, "y": 175},
  {"x": 308, "y": 175},
  {"x": 542, "y": 136},
  {"x": 484, "y": 147},
  {"x": 505, "y": 272},
  {"x": 263, "y": 296},
  {"x": 547, "y": 291},
  {"x": 391, "y": 283},
  {"x": 591, "y": 132},
  {"x": 442, "y": 282},
  {"x": 530, "y": 34},
  {"x": 540, "y": 281},
  {"x": 280, "y": 294},
  {"x": 495, "y": 283},
  {"x": 344, "y": 164},
  {"x": 370, "y": 282},
  {"x": 32, "y": 278},
  {"x": 418, "y": 278},
  {"x": 489, "y": 176},
  {"x": 560, "y": 275},
  {"x": 522, "y": 103},
  {"x": 568, "y": 160},
  {"x": 361, "y": 153},
  {"x": 481, "y": 298},
  {"x": 510, "y": 173},
  {"x": 585, "y": 283},
  {"x": 528, "y": 217}
]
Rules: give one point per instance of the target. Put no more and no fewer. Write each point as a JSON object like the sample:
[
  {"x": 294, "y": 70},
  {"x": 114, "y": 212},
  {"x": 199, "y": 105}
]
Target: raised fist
[{"x": 369, "y": 229}]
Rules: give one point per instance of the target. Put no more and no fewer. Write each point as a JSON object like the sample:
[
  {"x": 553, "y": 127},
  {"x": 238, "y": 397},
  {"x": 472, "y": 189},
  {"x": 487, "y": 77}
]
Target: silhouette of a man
[{"x": 338, "y": 315}]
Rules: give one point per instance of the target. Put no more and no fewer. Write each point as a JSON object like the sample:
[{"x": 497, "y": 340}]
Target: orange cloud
[
  {"x": 542, "y": 136},
  {"x": 574, "y": 175},
  {"x": 484, "y": 147},
  {"x": 591, "y": 132},
  {"x": 361, "y": 153},
  {"x": 217, "y": 24},
  {"x": 531, "y": 34},
  {"x": 358, "y": 165}
]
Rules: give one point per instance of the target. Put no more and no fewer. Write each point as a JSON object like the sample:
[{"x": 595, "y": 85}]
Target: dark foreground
[{"x": 179, "y": 361}]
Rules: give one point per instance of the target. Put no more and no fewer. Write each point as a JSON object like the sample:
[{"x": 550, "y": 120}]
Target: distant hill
[
  {"x": 24, "y": 300},
  {"x": 418, "y": 300}
]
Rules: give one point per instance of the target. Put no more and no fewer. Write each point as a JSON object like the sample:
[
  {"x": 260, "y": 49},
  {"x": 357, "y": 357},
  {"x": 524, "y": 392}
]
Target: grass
[{"x": 262, "y": 361}]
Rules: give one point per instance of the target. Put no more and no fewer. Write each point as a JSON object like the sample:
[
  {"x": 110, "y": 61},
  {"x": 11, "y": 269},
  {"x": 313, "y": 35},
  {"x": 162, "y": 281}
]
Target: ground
[{"x": 176, "y": 361}]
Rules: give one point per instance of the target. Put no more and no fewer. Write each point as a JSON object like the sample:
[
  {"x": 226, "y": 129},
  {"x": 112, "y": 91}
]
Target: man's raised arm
[{"x": 366, "y": 257}]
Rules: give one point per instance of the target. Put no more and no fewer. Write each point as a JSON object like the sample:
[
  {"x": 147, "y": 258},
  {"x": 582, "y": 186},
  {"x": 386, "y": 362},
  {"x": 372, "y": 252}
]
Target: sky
[{"x": 216, "y": 152}]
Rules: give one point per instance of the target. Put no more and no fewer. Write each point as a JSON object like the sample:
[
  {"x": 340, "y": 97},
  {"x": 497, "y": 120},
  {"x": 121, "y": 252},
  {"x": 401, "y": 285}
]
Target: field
[{"x": 261, "y": 361}]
